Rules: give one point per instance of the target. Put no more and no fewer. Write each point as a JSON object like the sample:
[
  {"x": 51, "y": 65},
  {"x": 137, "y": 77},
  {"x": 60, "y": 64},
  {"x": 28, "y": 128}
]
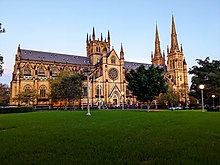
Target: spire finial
[
  {"x": 93, "y": 34},
  {"x": 181, "y": 48},
  {"x": 121, "y": 48},
  {"x": 101, "y": 37},
  {"x": 87, "y": 38},
  {"x": 122, "y": 53},
  {"x": 108, "y": 36}
]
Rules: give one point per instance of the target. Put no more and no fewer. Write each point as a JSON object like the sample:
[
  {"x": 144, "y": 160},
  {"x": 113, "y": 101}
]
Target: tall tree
[
  {"x": 4, "y": 94},
  {"x": 207, "y": 73},
  {"x": 26, "y": 97},
  {"x": 170, "y": 97},
  {"x": 71, "y": 87},
  {"x": 67, "y": 88},
  {"x": 146, "y": 84}
]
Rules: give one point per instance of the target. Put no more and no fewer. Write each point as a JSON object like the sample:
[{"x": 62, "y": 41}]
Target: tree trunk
[{"x": 148, "y": 107}]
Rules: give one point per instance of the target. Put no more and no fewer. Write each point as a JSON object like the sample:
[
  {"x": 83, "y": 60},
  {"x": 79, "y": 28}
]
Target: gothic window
[
  {"x": 54, "y": 71},
  {"x": 98, "y": 89},
  {"x": 113, "y": 60},
  {"x": 181, "y": 78},
  {"x": 41, "y": 71},
  {"x": 27, "y": 88},
  {"x": 42, "y": 91},
  {"x": 27, "y": 70},
  {"x": 97, "y": 48}
]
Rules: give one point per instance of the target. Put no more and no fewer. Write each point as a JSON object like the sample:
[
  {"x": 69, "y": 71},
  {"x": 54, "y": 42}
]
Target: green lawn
[{"x": 110, "y": 137}]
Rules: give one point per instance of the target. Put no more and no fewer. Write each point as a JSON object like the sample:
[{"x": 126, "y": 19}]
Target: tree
[
  {"x": 26, "y": 97},
  {"x": 55, "y": 93},
  {"x": 71, "y": 87},
  {"x": 68, "y": 88},
  {"x": 170, "y": 97},
  {"x": 207, "y": 73},
  {"x": 146, "y": 84},
  {"x": 4, "y": 94},
  {"x": 1, "y": 62}
]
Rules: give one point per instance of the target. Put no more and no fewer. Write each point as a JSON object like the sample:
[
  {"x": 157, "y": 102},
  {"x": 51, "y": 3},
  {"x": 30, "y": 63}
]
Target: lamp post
[
  {"x": 213, "y": 97},
  {"x": 202, "y": 87},
  {"x": 88, "y": 104},
  {"x": 122, "y": 97}
]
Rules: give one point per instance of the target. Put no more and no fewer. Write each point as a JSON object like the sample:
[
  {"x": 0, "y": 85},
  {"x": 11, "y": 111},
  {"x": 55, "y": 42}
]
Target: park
[{"x": 110, "y": 137}]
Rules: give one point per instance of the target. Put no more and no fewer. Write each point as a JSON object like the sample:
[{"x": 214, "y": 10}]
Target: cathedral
[{"x": 107, "y": 84}]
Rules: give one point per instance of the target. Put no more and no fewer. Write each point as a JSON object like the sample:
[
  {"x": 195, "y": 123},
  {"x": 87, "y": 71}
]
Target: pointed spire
[
  {"x": 157, "y": 53},
  {"x": 19, "y": 48},
  {"x": 93, "y": 34},
  {"x": 101, "y": 37},
  {"x": 121, "y": 53},
  {"x": 108, "y": 36},
  {"x": 174, "y": 42},
  {"x": 87, "y": 38},
  {"x": 181, "y": 48},
  {"x": 168, "y": 49},
  {"x": 122, "y": 48},
  {"x": 90, "y": 38}
]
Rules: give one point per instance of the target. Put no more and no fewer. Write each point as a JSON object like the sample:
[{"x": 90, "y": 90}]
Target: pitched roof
[
  {"x": 53, "y": 57},
  {"x": 134, "y": 65}
]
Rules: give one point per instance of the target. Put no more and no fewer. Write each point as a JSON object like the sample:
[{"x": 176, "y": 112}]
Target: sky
[{"x": 62, "y": 26}]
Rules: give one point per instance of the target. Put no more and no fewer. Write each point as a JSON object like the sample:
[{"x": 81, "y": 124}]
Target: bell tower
[
  {"x": 96, "y": 47},
  {"x": 177, "y": 66}
]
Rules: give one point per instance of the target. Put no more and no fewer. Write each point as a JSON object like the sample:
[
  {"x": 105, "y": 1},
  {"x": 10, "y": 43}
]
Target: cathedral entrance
[{"x": 114, "y": 101}]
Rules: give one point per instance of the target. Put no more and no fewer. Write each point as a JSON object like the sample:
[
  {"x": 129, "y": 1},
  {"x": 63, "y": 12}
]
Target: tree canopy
[
  {"x": 208, "y": 74},
  {"x": 4, "y": 94},
  {"x": 67, "y": 87},
  {"x": 26, "y": 97},
  {"x": 146, "y": 84}
]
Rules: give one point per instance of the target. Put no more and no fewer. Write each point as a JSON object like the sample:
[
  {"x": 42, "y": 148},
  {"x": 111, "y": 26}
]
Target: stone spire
[
  {"x": 157, "y": 52},
  {"x": 93, "y": 34},
  {"x": 108, "y": 36},
  {"x": 101, "y": 37},
  {"x": 157, "y": 57},
  {"x": 87, "y": 38},
  {"x": 121, "y": 52},
  {"x": 174, "y": 42}
]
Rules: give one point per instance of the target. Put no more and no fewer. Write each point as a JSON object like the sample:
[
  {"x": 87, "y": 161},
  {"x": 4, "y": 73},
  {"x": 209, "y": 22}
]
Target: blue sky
[{"x": 61, "y": 27}]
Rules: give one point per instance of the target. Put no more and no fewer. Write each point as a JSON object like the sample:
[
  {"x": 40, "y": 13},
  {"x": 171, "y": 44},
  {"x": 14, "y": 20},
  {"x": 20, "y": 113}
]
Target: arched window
[
  {"x": 27, "y": 70},
  {"x": 41, "y": 71},
  {"x": 54, "y": 71},
  {"x": 43, "y": 91},
  {"x": 113, "y": 60},
  {"x": 27, "y": 88}
]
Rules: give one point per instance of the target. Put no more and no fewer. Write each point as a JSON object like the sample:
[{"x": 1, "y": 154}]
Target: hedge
[{"x": 16, "y": 109}]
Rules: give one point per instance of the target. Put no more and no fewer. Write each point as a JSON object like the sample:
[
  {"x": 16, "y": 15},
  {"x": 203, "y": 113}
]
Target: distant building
[{"x": 35, "y": 69}]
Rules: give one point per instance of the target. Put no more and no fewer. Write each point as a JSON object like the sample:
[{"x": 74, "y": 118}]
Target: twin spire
[{"x": 157, "y": 57}]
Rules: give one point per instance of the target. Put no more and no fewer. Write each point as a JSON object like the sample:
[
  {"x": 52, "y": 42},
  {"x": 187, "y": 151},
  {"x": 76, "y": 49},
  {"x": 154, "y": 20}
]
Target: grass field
[{"x": 110, "y": 137}]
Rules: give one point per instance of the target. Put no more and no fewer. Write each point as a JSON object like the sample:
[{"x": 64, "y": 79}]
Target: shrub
[{"x": 16, "y": 109}]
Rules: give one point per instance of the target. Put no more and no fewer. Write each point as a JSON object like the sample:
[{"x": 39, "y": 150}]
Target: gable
[{"x": 113, "y": 58}]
